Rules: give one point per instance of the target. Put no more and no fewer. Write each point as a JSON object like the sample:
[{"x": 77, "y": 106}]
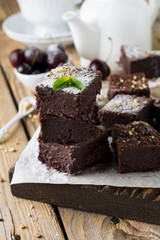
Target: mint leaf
[{"x": 67, "y": 81}]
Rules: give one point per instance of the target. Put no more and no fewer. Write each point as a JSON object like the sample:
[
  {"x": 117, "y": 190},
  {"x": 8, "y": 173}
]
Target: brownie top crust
[
  {"x": 128, "y": 82},
  {"x": 84, "y": 75},
  {"x": 123, "y": 103},
  {"x": 135, "y": 53},
  {"x": 136, "y": 134}
]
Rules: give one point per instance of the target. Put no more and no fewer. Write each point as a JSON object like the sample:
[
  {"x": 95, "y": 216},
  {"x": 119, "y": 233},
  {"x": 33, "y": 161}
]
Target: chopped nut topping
[
  {"x": 143, "y": 78},
  {"x": 118, "y": 105},
  {"x": 135, "y": 123},
  {"x": 136, "y": 102},
  {"x": 144, "y": 85},
  {"x": 134, "y": 77},
  {"x": 58, "y": 70},
  {"x": 37, "y": 234},
  {"x": 121, "y": 80},
  {"x": 22, "y": 226},
  {"x": 130, "y": 133}
]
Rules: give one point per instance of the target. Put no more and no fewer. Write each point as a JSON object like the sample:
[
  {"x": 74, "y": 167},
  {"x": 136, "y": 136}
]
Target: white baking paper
[{"x": 29, "y": 170}]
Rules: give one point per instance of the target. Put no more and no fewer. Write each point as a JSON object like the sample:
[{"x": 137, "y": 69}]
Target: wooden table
[{"x": 22, "y": 219}]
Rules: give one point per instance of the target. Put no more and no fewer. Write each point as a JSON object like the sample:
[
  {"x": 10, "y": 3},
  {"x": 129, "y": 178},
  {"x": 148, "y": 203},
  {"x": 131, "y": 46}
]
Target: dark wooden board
[{"x": 140, "y": 204}]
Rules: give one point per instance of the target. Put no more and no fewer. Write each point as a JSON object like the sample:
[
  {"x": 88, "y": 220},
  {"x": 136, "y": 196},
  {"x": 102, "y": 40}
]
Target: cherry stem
[{"x": 111, "y": 49}]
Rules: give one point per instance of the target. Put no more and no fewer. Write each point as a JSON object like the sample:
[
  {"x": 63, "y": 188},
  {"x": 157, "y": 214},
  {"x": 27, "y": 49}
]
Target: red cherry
[
  {"x": 102, "y": 66},
  {"x": 16, "y": 57}
]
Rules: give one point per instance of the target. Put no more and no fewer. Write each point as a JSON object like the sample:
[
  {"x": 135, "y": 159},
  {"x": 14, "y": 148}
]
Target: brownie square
[
  {"x": 133, "y": 84},
  {"x": 134, "y": 59},
  {"x": 125, "y": 109},
  {"x": 65, "y": 130},
  {"x": 70, "y": 101},
  {"x": 76, "y": 157},
  {"x": 156, "y": 115},
  {"x": 137, "y": 147}
]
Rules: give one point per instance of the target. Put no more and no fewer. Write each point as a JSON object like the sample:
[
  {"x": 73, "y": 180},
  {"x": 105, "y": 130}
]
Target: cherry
[
  {"x": 24, "y": 68},
  {"x": 34, "y": 55},
  {"x": 102, "y": 66},
  {"x": 16, "y": 57},
  {"x": 54, "y": 58},
  {"x": 53, "y": 47}
]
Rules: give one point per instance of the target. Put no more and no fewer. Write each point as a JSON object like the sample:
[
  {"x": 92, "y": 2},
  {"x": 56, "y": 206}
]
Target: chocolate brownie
[
  {"x": 134, "y": 59},
  {"x": 134, "y": 84},
  {"x": 70, "y": 101},
  {"x": 65, "y": 130},
  {"x": 137, "y": 147},
  {"x": 125, "y": 109},
  {"x": 76, "y": 157},
  {"x": 156, "y": 115}
]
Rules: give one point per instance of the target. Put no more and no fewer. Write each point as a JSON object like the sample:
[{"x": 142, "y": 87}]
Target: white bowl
[{"x": 30, "y": 81}]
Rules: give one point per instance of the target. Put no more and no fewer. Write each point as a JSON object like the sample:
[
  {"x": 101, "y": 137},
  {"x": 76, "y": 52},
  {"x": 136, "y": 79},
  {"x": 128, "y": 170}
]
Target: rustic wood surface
[{"x": 52, "y": 222}]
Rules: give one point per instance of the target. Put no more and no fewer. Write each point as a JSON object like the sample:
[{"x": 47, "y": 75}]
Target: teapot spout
[{"x": 85, "y": 35}]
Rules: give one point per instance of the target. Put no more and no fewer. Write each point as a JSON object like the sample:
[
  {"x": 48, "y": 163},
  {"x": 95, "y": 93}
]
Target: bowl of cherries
[{"x": 33, "y": 64}]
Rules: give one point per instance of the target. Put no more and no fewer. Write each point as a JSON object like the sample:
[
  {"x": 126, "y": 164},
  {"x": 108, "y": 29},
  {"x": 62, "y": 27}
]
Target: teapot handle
[{"x": 154, "y": 7}]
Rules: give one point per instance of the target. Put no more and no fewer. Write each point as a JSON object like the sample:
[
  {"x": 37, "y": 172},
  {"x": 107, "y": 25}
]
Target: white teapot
[{"x": 124, "y": 21}]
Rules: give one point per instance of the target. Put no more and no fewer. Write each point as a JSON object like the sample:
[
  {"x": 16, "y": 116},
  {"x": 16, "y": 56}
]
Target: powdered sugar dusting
[
  {"x": 137, "y": 52},
  {"x": 126, "y": 104},
  {"x": 84, "y": 75}
]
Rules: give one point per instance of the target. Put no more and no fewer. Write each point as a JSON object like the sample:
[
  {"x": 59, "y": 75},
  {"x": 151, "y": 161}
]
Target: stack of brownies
[{"x": 69, "y": 140}]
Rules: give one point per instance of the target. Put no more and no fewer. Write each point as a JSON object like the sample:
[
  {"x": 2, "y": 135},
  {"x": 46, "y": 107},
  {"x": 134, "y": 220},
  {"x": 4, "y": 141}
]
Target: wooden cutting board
[{"x": 140, "y": 204}]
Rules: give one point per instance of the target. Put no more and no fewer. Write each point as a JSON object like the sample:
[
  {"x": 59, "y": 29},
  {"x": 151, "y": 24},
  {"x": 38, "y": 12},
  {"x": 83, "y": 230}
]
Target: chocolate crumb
[{"x": 115, "y": 220}]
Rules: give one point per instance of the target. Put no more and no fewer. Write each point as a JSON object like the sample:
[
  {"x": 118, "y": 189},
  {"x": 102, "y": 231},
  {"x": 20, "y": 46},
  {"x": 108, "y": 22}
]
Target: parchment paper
[{"x": 29, "y": 170}]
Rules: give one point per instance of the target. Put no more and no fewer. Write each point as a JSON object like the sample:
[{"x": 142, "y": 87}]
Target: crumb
[
  {"x": 29, "y": 215},
  {"x": 31, "y": 207},
  {"x": 22, "y": 226},
  {"x": 1, "y": 220},
  {"x": 2, "y": 180},
  {"x": 37, "y": 234},
  {"x": 34, "y": 118},
  {"x": 30, "y": 115},
  {"x": 12, "y": 149},
  {"x": 26, "y": 106}
]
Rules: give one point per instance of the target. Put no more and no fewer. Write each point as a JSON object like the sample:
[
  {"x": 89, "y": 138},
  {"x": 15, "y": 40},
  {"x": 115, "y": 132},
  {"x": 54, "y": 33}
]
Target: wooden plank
[
  {"x": 93, "y": 226},
  {"x": 113, "y": 201},
  {"x": 83, "y": 225},
  {"x": 15, "y": 211}
]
